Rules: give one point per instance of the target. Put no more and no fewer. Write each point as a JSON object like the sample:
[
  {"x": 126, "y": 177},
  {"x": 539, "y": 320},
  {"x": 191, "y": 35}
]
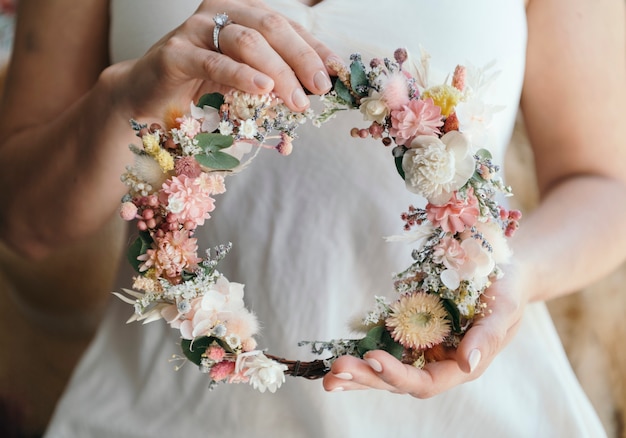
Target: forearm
[
  {"x": 574, "y": 237},
  {"x": 64, "y": 174}
]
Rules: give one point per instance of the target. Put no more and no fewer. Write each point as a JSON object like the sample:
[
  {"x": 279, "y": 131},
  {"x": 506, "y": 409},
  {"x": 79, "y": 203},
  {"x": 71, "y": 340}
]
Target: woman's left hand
[{"x": 489, "y": 334}]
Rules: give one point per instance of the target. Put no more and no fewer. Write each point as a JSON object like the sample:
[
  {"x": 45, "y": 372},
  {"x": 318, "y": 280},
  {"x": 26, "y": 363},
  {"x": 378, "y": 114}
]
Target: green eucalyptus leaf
[
  {"x": 453, "y": 315},
  {"x": 343, "y": 93},
  {"x": 358, "y": 78},
  {"x": 378, "y": 338},
  {"x": 214, "y": 100},
  {"x": 217, "y": 160},
  {"x": 210, "y": 142},
  {"x": 142, "y": 243}
]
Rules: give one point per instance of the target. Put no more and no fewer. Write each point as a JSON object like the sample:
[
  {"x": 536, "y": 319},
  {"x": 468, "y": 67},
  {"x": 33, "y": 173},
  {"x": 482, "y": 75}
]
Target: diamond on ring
[{"x": 220, "y": 20}]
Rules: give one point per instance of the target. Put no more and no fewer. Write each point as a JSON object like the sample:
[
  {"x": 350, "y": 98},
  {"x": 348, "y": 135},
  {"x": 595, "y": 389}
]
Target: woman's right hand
[{"x": 262, "y": 51}]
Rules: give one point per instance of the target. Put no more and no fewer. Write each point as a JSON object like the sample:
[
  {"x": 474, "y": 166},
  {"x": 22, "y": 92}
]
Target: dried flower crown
[{"x": 458, "y": 239}]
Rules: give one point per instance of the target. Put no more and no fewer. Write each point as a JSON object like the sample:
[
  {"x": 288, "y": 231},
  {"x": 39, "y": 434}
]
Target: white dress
[{"x": 307, "y": 232}]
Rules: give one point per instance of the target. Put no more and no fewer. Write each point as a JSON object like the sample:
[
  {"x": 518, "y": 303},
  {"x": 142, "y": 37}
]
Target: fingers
[
  {"x": 249, "y": 47},
  {"x": 482, "y": 342},
  {"x": 380, "y": 370},
  {"x": 282, "y": 50},
  {"x": 489, "y": 334},
  {"x": 224, "y": 71}
]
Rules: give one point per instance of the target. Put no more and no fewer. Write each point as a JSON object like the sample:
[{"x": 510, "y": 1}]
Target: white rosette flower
[
  {"x": 374, "y": 108},
  {"x": 435, "y": 168},
  {"x": 264, "y": 373}
]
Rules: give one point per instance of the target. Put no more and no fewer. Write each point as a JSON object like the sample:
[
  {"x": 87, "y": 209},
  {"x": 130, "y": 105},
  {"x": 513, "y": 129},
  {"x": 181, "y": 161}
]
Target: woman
[{"x": 309, "y": 250}]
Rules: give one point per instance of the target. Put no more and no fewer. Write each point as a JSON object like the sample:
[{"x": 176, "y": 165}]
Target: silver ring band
[{"x": 221, "y": 20}]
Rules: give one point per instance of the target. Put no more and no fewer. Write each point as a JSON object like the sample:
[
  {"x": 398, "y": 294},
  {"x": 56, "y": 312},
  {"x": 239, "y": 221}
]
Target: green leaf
[
  {"x": 194, "y": 349},
  {"x": 358, "y": 78},
  {"x": 214, "y": 100},
  {"x": 217, "y": 160},
  {"x": 398, "y": 161},
  {"x": 453, "y": 314},
  {"x": 343, "y": 93},
  {"x": 379, "y": 338},
  {"x": 210, "y": 142},
  {"x": 141, "y": 244}
]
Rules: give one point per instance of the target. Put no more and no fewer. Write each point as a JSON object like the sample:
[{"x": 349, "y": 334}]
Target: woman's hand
[
  {"x": 262, "y": 51},
  {"x": 505, "y": 299}
]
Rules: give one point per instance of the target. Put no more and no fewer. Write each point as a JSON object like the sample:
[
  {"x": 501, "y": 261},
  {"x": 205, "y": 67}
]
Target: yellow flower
[
  {"x": 151, "y": 143},
  {"x": 165, "y": 160},
  {"x": 418, "y": 321},
  {"x": 444, "y": 96},
  {"x": 153, "y": 148}
]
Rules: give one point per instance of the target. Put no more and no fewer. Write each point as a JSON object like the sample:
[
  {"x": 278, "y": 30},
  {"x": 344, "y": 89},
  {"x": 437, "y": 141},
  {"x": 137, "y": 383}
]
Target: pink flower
[
  {"x": 418, "y": 117},
  {"x": 174, "y": 252},
  {"x": 215, "y": 353},
  {"x": 188, "y": 198},
  {"x": 455, "y": 215},
  {"x": 449, "y": 253},
  {"x": 128, "y": 211},
  {"x": 459, "y": 77},
  {"x": 220, "y": 371},
  {"x": 285, "y": 146},
  {"x": 212, "y": 184},
  {"x": 395, "y": 91},
  {"x": 189, "y": 126},
  {"x": 187, "y": 166}
]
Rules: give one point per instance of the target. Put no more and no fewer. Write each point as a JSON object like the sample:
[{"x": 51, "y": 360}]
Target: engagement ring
[{"x": 221, "y": 20}]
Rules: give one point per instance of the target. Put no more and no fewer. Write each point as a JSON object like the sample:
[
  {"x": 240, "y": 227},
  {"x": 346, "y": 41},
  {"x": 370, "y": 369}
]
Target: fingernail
[
  {"x": 344, "y": 376},
  {"x": 337, "y": 389},
  {"x": 374, "y": 364},
  {"x": 299, "y": 98},
  {"x": 263, "y": 81},
  {"x": 322, "y": 81},
  {"x": 473, "y": 359}
]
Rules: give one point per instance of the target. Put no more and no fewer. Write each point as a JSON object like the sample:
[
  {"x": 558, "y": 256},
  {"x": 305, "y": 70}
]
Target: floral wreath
[{"x": 458, "y": 239}]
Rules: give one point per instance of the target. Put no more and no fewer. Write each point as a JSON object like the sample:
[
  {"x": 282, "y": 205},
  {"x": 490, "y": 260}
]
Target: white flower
[
  {"x": 223, "y": 296},
  {"x": 374, "y": 109},
  {"x": 475, "y": 266},
  {"x": 435, "y": 168},
  {"x": 233, "y": 340},
  {"x": 210, "y": 117},
  {"x": 474, "y": 119},
  {"x": 225, "y": 127},
  {"x": 175, "y": 204},
  {"x": 248, "y": 129},
  {"x": 264, "y": 373}
]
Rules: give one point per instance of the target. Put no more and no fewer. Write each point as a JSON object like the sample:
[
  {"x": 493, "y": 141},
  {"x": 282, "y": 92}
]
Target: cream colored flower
[
  {"x": 374, "y": 108},
  {"x": 435, "y": 168},
  {"x": 248, "y": 129},
  {"x": 264, "y": 373},
  {"x": 418, "y": 321}
]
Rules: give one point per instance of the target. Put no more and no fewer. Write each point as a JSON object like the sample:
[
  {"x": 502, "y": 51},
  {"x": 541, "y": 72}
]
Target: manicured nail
[
  {"x": 299, "y": 98},
  {"x": 337, "y": 389},
  {"x": 374, "y": 364},
  {"x": 263, "y": 81},
  {"x": 344, "y": 376},
  {"x": 473, "y": 359},
  {"x": 322, "y": 81}
]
